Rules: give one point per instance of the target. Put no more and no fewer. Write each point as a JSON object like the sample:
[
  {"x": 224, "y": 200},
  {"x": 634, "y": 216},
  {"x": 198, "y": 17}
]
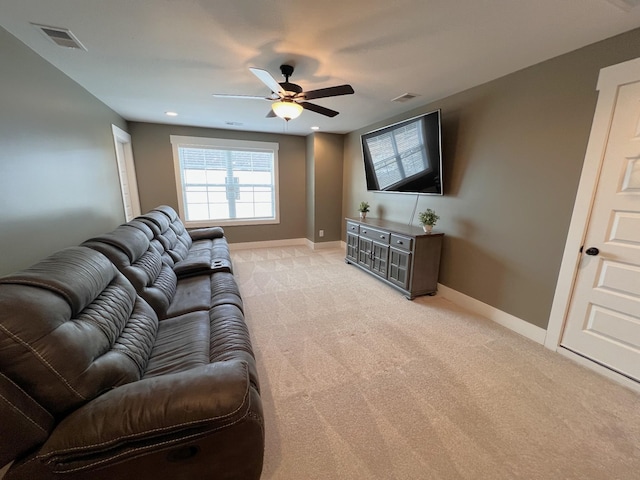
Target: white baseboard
[
  {"x": 323, "y": 245},
  {"x": 507, "y": 320},
  {"x": 287, "y": 242}
]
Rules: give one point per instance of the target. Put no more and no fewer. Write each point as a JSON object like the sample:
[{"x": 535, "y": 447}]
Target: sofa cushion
[
  {"x": 160, "y": 225},
  {"x": 230, "y": 340},
  {"x": 176, "y": 225},
  {"x": 224, "y": 290},
  {"x": 151, "y": 236},
  {"x": 91, "y": 274},
  {"x": 192, "y": 294},
  {"x": 129, "y": 250},
  {"x": 182, "y": 343},
  {"x": 74, "y": 306}
]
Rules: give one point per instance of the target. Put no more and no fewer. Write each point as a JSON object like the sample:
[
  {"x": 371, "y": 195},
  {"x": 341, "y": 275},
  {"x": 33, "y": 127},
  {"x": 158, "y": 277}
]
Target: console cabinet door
[
  {"x": 364, "y": 252},
  {"x": 352, "y": 247},
  {"x": 399, "y": 262},
  {"x": 379, "y": 255}
]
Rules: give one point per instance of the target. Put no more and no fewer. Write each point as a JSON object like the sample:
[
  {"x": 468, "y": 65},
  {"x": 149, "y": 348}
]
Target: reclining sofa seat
[
  {"x": 94, "y": 386},
  {"x": 192, "y": 252},
  {"x": 214, "y": 294}
]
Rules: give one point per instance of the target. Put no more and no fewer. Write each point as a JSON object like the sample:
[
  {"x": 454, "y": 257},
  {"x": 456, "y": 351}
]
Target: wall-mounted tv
[{"x": 405, "y": 157}]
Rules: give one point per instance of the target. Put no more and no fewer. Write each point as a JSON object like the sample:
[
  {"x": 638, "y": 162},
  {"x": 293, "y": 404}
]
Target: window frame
[{"x": 178, "y": 141}]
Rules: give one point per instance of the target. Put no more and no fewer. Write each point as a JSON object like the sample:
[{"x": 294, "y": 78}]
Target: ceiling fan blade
[
  {"x": 266, "y": 78},
  {"x": 241, "y": 97},
  {"x": 329, "y": 92},
  {"x": 318, "y": 109}
]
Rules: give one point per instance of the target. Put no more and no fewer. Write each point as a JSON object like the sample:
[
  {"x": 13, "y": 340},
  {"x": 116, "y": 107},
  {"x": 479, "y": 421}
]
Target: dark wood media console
[{"x": 403, "y": 256}]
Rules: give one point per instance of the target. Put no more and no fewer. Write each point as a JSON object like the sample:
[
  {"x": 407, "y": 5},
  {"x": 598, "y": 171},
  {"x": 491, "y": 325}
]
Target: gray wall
[
  {"x": 513, "y": 153},
  {"x": 328, "y": 165},
  {"x": 58, "y": 175},
  {"x": 325, "y": 152},
  {"x": 156, "y": 179},
  {"x": 310, "y": 183}
]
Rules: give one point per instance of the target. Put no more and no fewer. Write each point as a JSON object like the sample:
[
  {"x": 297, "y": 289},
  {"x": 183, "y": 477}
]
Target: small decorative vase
[
  {"x": 363, "y": 215},
  {"x": 427, "y": 228}
]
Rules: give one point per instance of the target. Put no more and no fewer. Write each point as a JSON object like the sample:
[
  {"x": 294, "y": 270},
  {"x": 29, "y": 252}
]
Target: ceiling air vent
[
  {"x": 626, "y": 5},
  {"x": 405, "y": 97},
  {"x": 60, "y": 36}
]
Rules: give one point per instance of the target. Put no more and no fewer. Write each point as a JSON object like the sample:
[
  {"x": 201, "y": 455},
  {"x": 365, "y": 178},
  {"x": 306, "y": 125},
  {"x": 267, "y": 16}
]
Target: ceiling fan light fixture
[{"x": 287, "y": 109}]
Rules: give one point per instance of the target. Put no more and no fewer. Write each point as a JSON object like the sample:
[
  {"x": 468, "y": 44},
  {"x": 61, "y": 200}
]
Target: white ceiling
[{"x": 146, "y": 57}]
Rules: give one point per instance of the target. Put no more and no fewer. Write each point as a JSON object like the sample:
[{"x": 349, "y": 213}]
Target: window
[{"x": 226, "y": 182}]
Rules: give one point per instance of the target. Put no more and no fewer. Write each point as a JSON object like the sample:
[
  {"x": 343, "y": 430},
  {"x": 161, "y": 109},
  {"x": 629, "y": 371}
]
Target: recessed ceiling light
[
  {"x": 171, "y": 114},
  {"x": 315, "y": 128}
]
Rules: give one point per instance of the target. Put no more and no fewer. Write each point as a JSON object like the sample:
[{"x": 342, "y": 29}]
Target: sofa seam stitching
[
  {"x": 43, "y": 360},
  {"x": 13, "y": 406}
]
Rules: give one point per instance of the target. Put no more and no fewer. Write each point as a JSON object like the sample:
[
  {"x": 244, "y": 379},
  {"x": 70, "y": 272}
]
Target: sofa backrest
[
  {"x": 155, "y": 243},
  {"x": 71, "y": 328},
  {"x": 130, "y": 251},
  {"x": 176, "y": 225},
  {"x": 170, "y": 231}
]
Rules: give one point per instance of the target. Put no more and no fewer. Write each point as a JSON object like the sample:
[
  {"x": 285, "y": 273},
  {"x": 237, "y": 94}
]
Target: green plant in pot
[
  {"x": 363, "y": 208},
  {"x": 428, "y": 219}
]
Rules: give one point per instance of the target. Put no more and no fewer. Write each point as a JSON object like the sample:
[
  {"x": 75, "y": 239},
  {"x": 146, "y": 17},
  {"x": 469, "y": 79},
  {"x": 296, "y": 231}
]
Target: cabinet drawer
[
  {"x": 379, "y": 236},
  {"x": 401, "y": 242},
  {"x": 353, "y": 227}
]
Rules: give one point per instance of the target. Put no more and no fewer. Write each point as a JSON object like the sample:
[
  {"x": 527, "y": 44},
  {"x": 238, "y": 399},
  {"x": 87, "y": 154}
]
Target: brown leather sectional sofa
[{"x": 128, "y": 357}]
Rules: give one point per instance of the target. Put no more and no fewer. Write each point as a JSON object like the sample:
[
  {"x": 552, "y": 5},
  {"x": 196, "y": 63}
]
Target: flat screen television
[{"x": 405, "y": 157}]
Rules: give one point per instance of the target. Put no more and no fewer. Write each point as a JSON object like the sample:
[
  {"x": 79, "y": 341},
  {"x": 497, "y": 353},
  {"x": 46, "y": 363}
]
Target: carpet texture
[{"x": 360, "y": 383}]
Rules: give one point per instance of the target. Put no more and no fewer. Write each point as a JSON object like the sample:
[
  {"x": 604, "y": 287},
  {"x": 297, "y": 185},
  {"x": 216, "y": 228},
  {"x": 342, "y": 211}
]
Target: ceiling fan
[{"x": 288, "y": 98}]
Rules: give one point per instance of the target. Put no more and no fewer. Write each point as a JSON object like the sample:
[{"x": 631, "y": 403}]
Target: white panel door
[{"x": 603, "y": 322}]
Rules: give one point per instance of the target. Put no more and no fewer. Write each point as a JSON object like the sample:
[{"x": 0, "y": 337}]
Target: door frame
[
  {"x": 609, "y": 81},
  {"x": 120, "y": 137}
]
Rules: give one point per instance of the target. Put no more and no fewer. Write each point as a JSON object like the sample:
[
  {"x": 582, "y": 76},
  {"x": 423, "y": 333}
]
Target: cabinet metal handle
[
  {"x": 399, "y": 242},
  {"x": 364, "y": 231},
  {"x": 382, "y": 237}
]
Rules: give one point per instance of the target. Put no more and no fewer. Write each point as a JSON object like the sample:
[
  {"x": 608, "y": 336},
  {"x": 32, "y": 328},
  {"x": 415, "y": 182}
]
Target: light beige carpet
[{"x": 360, "y": 383}]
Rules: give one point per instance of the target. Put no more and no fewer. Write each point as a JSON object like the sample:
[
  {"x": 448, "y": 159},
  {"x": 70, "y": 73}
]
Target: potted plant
[
  {"x": 428, "y": 219},
  {"x": 363, "y": 209}
]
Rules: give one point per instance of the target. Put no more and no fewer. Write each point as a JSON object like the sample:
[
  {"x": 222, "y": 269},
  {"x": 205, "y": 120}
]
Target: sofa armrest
[
  {"x": 139, "y": 416},
  {"x": 206, "y": 233}
]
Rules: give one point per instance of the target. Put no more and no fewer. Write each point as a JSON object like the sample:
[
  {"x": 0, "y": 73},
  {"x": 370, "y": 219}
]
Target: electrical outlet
[{"x": 321, "y": 233}]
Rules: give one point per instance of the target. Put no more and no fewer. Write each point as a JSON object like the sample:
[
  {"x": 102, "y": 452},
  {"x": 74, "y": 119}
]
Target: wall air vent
[
  {"x": 405, "y": 97},
  {"x": 60, "y": 36}
]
